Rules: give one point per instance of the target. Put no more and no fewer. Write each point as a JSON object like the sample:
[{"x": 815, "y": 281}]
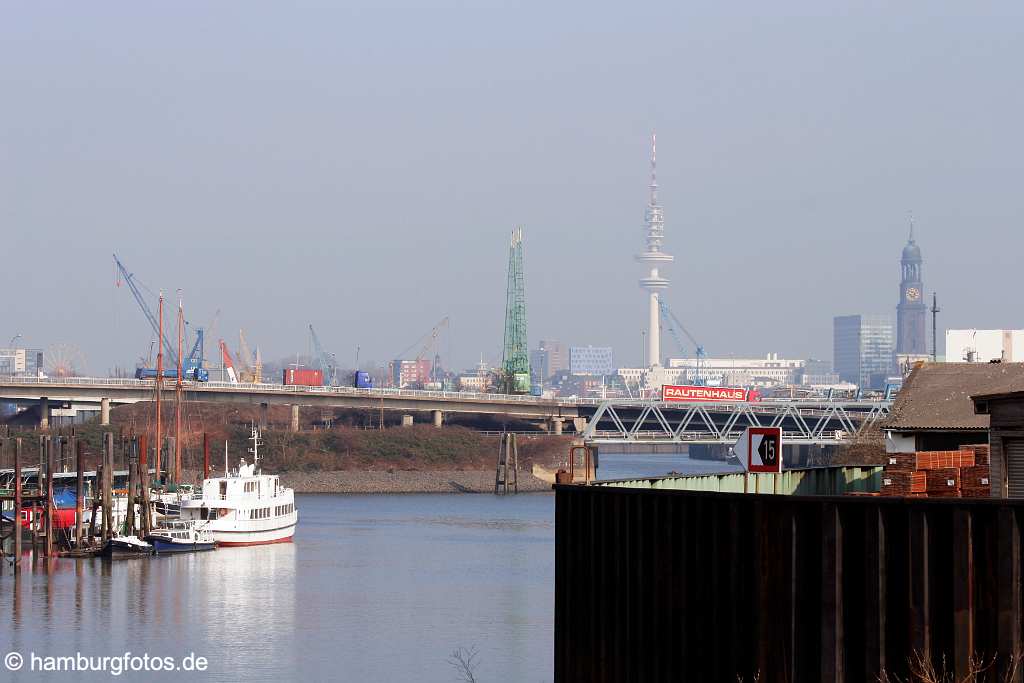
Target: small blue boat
[{"x": 182, "y": 536}]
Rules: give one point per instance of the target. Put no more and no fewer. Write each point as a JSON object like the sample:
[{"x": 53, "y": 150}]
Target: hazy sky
[{"x": 360, "y": 166}]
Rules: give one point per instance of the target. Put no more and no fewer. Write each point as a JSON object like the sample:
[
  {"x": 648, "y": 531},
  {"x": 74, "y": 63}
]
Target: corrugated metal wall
[
  {"x": 817, "y": 481},
  {"x": 676, "y": 585}
]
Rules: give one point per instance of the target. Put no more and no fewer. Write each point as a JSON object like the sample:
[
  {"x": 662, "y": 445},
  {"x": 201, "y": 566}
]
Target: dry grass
[{"x": 979, "y": 670}]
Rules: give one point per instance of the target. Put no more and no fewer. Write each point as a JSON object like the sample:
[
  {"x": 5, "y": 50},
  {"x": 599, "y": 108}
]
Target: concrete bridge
[
  {"x": 619, "y": 421},
  {"x": 82, "y": 393}
]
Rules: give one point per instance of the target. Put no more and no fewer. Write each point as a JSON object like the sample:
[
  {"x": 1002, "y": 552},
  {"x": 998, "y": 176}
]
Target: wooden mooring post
[
  {"x": 106, "y": 485},
  {"x": 79, "y": 492},
  {"x": 145, "y": 523},
  {"x": 508, "y": 466},
  {"x": 52, "y": 443},
  {"x": 133, "y": 471},
  {"x": 17, "y": 506}
]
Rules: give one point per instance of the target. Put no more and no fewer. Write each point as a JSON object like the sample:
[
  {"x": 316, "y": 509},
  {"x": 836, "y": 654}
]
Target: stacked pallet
[
  {"x": 901, "y": 477},
  {"x": 974, "y": 478},
  {"x": 962, "y": 473}
]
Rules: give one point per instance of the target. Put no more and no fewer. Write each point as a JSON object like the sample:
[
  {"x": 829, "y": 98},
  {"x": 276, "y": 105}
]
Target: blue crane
[
  {"x": 671, "y": 322},
  {"x": 327, "y": 364},
  {"x": 192, "y": 367}
]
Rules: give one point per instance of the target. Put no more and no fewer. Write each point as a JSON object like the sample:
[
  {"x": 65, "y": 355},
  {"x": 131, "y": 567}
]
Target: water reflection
[{"x": 373, "y": 588}]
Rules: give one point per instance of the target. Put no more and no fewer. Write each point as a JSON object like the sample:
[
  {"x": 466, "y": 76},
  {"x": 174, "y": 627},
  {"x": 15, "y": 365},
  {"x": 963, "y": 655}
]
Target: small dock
[{"x": 27, "y": 501}]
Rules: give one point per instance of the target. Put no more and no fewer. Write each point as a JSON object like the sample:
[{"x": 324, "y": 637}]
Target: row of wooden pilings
[{"x": 101, "y": 526}]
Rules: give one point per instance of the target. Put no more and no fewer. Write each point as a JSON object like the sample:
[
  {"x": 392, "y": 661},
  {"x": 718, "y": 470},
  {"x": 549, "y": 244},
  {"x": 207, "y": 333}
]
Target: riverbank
[{"x": 404, "y": 481}]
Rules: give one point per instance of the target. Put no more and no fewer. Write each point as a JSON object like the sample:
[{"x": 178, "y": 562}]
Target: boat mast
[
  {"x": 255, "y": 450},
  {"x": 177, "y": 397},
  {"x": 157, "y": 383}
]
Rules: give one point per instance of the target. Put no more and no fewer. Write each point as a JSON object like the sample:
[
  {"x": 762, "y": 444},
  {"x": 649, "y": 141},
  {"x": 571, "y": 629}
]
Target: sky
[{"x": 360, "y": 166}]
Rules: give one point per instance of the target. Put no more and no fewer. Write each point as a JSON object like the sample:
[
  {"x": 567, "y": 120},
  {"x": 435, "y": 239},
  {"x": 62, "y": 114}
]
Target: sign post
[{"x": 759, "y": 449}]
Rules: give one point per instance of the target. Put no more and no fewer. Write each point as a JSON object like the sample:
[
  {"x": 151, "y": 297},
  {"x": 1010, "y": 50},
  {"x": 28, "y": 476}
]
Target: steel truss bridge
[{"x": 802, "y": 421}]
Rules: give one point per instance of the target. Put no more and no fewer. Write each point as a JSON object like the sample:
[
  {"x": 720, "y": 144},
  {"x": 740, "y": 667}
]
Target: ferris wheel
[{"x": 63, "y": 360}]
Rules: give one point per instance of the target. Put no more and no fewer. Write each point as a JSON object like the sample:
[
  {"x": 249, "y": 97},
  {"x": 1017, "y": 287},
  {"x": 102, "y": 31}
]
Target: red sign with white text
[{"x": 673, "y": 392}]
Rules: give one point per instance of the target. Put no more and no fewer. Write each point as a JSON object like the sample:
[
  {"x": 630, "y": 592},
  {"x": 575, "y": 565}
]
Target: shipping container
[
  {"x": 303, "y": 377},
  {"x": 363, "y": 380}
]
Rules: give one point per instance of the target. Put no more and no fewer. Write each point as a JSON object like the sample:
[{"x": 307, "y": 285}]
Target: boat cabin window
[{"x": 223, "y": 488}]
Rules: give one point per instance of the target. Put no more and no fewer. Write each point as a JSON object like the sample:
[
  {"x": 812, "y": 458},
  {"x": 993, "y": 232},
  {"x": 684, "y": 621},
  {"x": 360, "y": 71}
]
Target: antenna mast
[{"x": 935, "y": 319}]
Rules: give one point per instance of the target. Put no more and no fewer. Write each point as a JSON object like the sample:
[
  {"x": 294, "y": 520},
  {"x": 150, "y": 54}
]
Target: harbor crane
[
  {"x": 229, "y": 367},
  {"x": 250, "y": 365},
  {"x": 427, "y": 344},
  {"x": 671, "y": 323},
  {"x": 191, "y": 365},
  {"x": 328, "y": 363}
]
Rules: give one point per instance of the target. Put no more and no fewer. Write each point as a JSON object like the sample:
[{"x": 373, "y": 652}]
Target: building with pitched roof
[{"x": 934, "y": 410}]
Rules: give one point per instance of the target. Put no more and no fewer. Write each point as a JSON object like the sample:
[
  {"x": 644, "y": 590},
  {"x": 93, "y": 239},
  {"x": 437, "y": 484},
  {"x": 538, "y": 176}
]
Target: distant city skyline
[{"x": 312, "y": 174}]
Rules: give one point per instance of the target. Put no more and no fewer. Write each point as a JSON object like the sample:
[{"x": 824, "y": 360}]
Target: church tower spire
[{"x": 911, "y": 312}]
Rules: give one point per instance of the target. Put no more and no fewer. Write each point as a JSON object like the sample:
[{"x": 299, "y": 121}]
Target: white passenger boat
[{"x": 244, "y": 507}]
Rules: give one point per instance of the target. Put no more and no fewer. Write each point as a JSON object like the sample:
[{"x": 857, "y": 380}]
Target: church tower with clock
[{"x": 912, "y": 311}]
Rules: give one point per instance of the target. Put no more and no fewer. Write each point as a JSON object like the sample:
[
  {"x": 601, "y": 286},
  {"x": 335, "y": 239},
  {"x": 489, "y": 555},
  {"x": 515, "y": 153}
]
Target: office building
[
  {"x": 863, "y": 348},
  {"x": 591, "y": 360},
  {"x": 983, "y": 346},
  {"x": 736, "y": 372},
  {"x": 21, "y": 362}
]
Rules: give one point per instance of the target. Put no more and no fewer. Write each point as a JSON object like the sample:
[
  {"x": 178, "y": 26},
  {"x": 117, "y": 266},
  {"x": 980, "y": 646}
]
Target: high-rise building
[
  {"x": 862, "y": 348},
  {"x": 548, "y": 359},
  {"x": 911, "y": 312},
  {"x": 540, "y": 365},
  {"x": 652, "y": 258},
  {"x": 591, "y": 360}
]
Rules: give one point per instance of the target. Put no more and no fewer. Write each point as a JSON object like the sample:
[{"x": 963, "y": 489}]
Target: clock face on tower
[{"x": 913, "y": 293}]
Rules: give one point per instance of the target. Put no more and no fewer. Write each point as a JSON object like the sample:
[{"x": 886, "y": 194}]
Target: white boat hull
[{"x": 230, "y": 538}]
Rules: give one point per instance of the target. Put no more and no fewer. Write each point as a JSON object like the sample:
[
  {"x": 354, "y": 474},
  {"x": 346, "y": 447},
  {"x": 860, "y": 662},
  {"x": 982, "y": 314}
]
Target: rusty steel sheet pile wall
[{"x": 691, "y": 586}]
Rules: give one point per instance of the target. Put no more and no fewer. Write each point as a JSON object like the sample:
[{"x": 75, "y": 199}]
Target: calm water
[
  {"x": 614, "y": 466},
  {"x": 374, "y": 588}
]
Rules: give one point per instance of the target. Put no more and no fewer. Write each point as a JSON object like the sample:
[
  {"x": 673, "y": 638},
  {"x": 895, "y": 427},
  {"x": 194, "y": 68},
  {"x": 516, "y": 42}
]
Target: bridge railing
[{"x": 131, "y": 383}]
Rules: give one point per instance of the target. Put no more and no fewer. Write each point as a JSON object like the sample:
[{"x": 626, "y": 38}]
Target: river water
[{"x": 374, "y": 588}]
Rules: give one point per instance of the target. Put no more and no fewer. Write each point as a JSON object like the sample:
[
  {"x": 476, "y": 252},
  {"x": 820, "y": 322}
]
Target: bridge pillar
[
  {"x": 264, "y": 412},
  {"x": 438, "y": 417},
  {"x": 295, "y": 417},
  {"x": 104, "y": 411},
  {"x": 556, "y": 425},
  {"x": 579, "y": 423},
  {"x": 407, "y": 420},
  {"x": 44, "y": 413}
]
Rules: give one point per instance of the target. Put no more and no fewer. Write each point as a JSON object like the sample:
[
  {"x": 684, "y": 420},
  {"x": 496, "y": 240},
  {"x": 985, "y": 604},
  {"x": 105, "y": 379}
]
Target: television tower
[{"x": 653, "y": 257}]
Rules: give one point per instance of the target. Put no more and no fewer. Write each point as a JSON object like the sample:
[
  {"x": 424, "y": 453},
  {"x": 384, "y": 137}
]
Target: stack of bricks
[
  {"x": 901, "y": 477},
  {"x": 963, "y": 473},
  {"x": 974, "y": 481}
]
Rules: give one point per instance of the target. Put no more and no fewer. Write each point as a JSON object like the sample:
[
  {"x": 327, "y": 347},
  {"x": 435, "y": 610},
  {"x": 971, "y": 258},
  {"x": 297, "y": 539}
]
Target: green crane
[{"x": 515, "y": 363}]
